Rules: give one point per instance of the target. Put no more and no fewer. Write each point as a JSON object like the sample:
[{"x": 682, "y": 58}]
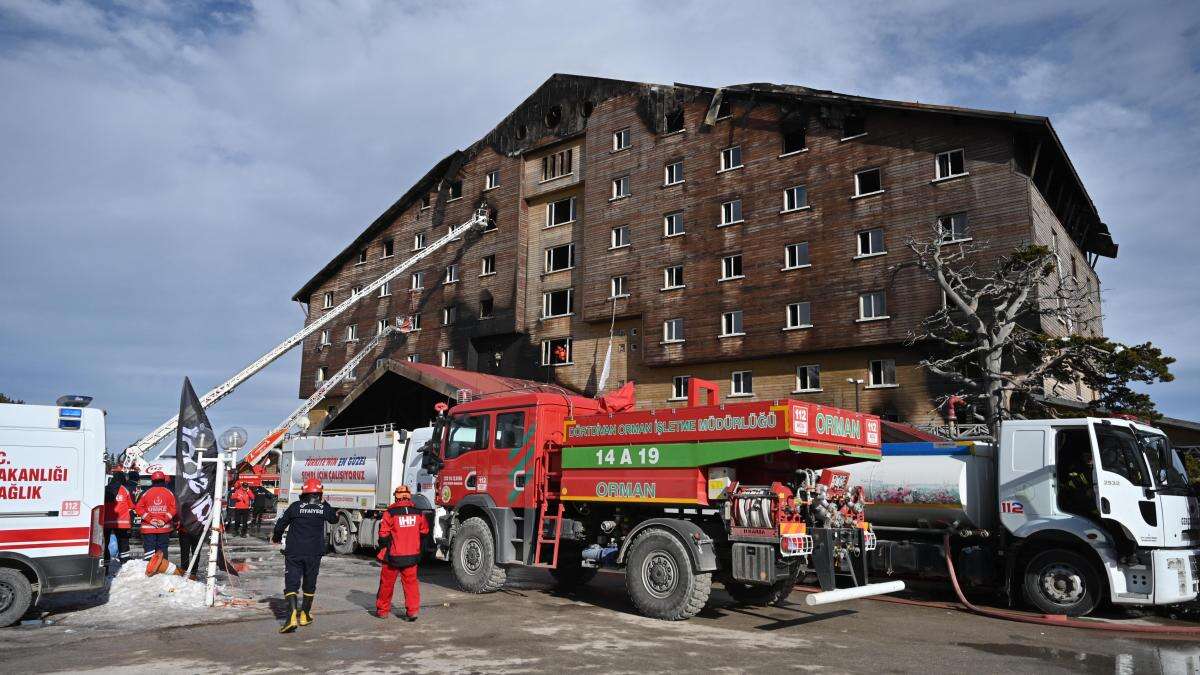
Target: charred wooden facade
[{"x": 745, "y": 234}]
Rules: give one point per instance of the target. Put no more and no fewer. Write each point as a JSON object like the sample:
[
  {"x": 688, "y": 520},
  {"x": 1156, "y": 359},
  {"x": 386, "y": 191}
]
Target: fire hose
[
  {"x": 1043, "y": 619},
  {"x": 1054, "y": 619}
]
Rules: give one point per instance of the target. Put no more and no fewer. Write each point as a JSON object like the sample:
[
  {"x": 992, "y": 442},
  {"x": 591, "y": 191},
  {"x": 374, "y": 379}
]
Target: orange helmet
[
  {"x": 402, "y": 492},
  {"x": 157, "y": 475},
  {"x": 312, "y": 485}
]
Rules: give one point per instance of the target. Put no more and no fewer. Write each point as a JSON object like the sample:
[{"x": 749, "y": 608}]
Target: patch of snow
[{"x": 160, "y": 600}]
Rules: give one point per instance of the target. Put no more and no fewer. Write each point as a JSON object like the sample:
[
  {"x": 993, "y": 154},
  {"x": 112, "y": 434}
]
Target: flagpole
[{"x": 214, "y": 538}]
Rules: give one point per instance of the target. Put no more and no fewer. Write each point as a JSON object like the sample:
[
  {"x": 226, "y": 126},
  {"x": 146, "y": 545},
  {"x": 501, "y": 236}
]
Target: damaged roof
[{"x": 569, "y": 98}]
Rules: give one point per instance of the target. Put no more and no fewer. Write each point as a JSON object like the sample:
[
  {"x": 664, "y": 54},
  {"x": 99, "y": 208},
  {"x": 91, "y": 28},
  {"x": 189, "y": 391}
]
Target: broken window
[
  {"x": 675, "y": 121},
  {"x": 425, "y": 200},
  {"x": 447, "y": 361},
  {"x": 560, "y": 258},
  {"x": 808, "y": 378},
  {"x": 883, "y": 373},
  {"x": 455, "y": 190},
  {"x": 558, "y": 164},
  {"x": 953, "y": 227},
  {"x": 362, "y": 257},
  {"x": 321, "y": 374},
  {"x": 560, "y": 212},
  {"x": 449, "y": 315},
  {"x": 853, "y": 125},
  {"x": 794, "y": 140},
  {"x": 557, "y": 303},
  {"x": 487, "y": 307},
  {"x": 724, "y": 109},
  {"x": 556, "y": 352},
  {"x": 867, "y": 182},
  {"x": 389, "y": 248}
]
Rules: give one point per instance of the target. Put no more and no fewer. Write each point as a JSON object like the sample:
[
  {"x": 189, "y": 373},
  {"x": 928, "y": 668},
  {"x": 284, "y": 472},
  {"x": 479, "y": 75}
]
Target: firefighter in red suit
[
  {"x": 118, "y": 518},
  {"x": 157, "y": 509},
  {"x": 242, "y": 499},
  {"x": 400, "y": 541}
]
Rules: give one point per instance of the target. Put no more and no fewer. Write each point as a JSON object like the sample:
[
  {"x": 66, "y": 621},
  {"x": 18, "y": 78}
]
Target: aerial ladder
[
  {"x": 260, "y": 450},
  {"x": 134, "y": 455}
]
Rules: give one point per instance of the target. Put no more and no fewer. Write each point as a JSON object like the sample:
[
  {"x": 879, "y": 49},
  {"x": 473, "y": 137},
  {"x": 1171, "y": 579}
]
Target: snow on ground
[{"x": 133, "y": 598}]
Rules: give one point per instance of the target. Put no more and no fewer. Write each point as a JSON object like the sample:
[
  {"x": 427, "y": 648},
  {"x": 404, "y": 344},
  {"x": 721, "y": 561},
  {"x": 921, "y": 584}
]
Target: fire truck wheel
[
  {"x": 343, "y": 536},
  {"x": 16, "y": 595},
  {"x": 660, "y": 580},
  {"x": 1059, "y": 581},
  {"x": 473, "y": 558}
]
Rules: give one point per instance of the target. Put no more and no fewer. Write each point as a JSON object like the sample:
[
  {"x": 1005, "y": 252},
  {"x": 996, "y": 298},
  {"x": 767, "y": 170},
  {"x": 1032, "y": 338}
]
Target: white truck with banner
[
  {"x": 359, "y": 469},
  {"x": 1065, "y": 513},
  {"x": 51, "y": 502}
]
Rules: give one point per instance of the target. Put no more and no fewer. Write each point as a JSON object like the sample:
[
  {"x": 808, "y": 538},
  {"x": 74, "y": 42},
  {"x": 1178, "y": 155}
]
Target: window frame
[
  {"x": 787, "y": 263},
  {"x": 885, "y": 366},
  {"x": 326, "y": 338},
  {"x": 550, "y": 210},
  {"x": 385, "y": 289},
  {"x": 679, "y": 387},
  {"x": 667, "y": 286},
  {"x": 621, "y": 280},
  {"x": 450, "y": 315},
  {"x": 783, "y": 145},
  {"x": 858, "y": 192},
  {"x": 728, "y": 263},
  {"x": 862, "y": 306},
  {"x": 612, "y": 237},
  {"x": 419, "y": 241},
  {"x": 547, "y": 302},
  {"x": 492, "y": 180},
  {"x": 668, "y": 173},
  {"x": 547, "y": 258},
  {"x": 952, "y": 217},
  {"x": 553, "y": 162},
  {"x": 352, "y": 333},
  {"x": 732, "y": 319},
  {"x": 809, "y": 370},
  {"x": 487, "y": 265},
  {"x": 327, "y": 300},
  {"x": 949, "y": 155},
  {"x": 389, "y": 248},
  {"x": 728, "y": 159},
  {"x": 362, "y": 257},
  {"x": 620, "y": 188},
  {"x": 669, "y": 217},
  {"x": 672, "y": 331},
  {"x": 728, "y": 209},
  {"x": 622, "y": 139},
  {"x": 788, "y": 196},
  {"x": 548, "y": 352},
  {"x": 446, "y": 359},
  {"x": 417, "y": 281},
  {"x": 788, "y": 325},
  {"x": 451, "y": 276},
  {"x": 870, "y": 240},
  {"x": 322, "y": 374},
  {"x": 738, "y": 380}
]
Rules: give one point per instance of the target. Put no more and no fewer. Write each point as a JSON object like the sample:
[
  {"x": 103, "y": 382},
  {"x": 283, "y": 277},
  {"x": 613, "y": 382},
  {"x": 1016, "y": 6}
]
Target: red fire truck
[{"x": 743, "y": 493}]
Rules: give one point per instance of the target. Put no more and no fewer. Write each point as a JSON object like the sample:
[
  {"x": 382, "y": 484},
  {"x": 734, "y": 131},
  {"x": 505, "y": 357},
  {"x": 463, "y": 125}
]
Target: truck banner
[
  {"x": 349, "y": 475},
  {"x": 734, "y": 422},
  {"x": 678, "y": 486}
]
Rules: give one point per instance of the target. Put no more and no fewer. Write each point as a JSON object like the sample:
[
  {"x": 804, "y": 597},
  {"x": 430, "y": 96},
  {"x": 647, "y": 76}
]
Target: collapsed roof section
[{"x": 561, "y": 106}]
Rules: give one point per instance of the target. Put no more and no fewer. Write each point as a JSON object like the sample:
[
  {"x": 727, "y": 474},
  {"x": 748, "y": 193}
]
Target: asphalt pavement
[{"x": 530, "y": 627}]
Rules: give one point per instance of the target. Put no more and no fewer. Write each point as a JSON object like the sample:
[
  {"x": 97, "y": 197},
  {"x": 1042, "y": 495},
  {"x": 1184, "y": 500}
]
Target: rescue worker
[
  {"x": 262, "y": 502},
  {"x": 400, "y": 541},
  {"x": 242, "y": 499},
  {"x": 157, "y": 509},
  {"x": 305, "y": 522},
  {"x": 117, "y": 519}
]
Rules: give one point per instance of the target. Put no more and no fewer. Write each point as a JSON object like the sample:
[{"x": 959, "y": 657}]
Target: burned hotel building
[{"x": 753, "y": 235}]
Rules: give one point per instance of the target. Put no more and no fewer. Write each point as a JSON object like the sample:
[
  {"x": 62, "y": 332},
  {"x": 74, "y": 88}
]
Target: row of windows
[
  {"x": 871, "y": 306},
  {"x": 881, "y": 373}
]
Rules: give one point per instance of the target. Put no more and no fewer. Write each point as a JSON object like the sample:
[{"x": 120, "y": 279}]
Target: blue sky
[{"x": 174, "y": 171}]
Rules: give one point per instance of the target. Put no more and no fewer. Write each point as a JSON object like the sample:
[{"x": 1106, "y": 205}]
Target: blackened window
[
  {"x": 854, "y": 125},
  {"x": 794, "y": 140}
]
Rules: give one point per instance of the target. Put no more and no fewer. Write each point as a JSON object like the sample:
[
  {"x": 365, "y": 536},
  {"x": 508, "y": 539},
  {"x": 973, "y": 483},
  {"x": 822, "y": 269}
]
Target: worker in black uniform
[{"x": 305, "y": 522}]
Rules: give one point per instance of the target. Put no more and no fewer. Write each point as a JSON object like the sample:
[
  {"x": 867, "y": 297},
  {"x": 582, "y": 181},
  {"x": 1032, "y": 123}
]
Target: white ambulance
[{"x": 51, "y": 502}]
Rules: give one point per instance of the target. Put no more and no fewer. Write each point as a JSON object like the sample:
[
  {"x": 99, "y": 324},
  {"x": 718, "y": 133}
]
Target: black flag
[{"x": 194, "y": 482}]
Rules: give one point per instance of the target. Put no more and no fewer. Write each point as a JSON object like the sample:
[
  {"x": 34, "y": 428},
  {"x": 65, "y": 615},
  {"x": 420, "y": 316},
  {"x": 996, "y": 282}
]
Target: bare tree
[{"x": 989, "y": 339}]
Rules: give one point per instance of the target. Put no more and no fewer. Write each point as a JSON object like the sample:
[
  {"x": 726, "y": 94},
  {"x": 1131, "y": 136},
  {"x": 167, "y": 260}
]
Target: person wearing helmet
[
  {"x": 242, "y": 499},
  {"x": 157, "y": 509},
  {"x": 305, "y": 522},
  {"x": 117, "y": 517},
  {"x": 400, "y": 551}
]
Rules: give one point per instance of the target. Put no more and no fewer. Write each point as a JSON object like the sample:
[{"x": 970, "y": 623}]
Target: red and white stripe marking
[{"x": 44, "y": 537}]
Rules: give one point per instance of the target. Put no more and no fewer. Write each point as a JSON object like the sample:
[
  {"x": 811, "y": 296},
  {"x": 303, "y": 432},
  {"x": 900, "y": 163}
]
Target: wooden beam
[{"x": 1037, "y": 153}]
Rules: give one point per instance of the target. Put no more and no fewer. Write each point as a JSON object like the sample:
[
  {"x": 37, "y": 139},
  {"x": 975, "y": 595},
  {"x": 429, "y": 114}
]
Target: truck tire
[
  {"x": 660, "y": 580},
  {"x": 473, "y": 558},
  {"x": 1060, "y": 581},
  {"x": 342, "y": 536},
  {"x": 16, "y": 596}
]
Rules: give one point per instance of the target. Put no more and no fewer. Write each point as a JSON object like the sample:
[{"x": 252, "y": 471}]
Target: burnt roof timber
[{"x": 452, "y": 163}]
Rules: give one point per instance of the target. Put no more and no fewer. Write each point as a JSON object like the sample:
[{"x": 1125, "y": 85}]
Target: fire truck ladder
[
  {"x": 259, "y": 451},
  {"x": 134, "y": 454},
  {"x": 547, "y": 520}
]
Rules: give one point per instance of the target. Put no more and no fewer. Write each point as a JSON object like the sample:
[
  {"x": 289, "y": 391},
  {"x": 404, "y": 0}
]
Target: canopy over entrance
[{"x": 403, "y": 393}]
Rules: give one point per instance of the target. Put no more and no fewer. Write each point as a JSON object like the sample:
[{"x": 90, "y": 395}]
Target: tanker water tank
[{"x": 930, "y": 485}]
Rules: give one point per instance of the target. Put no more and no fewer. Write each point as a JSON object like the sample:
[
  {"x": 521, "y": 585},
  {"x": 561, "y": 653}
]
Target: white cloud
[{"x": 277, "y": 133}]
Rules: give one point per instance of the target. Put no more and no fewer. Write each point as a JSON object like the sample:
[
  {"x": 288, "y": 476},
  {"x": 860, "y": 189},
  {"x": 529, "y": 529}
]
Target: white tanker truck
[{"x": 1064, "y": 513}]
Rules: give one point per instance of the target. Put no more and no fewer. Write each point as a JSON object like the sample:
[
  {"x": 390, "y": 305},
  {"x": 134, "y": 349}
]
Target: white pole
[
  {"x": 215, "y": 526},
  {"x": 842, "y": 594}
]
